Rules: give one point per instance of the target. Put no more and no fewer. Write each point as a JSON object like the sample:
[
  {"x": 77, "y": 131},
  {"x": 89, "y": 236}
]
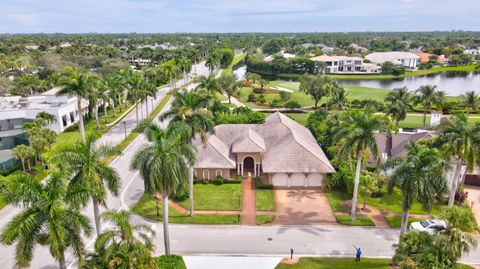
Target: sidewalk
[{"x": 248, "y": 202}]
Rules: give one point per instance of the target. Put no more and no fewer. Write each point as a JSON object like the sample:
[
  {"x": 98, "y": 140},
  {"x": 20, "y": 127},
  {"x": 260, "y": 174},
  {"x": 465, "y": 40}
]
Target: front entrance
[{"x": 248, "y": 166}]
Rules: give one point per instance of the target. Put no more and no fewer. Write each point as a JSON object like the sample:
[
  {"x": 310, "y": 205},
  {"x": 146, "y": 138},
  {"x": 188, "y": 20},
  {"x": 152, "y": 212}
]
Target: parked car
[{"x": 430, "y": 226}]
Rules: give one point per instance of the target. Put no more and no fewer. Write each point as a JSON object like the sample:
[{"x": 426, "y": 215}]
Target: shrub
[
  {"x": 461, "y": 218},
  {"x": 285, "y": 96},
  {"x": 275, "y": 103},
  {"x": 248, "y": 118},
  {"x": 181, "y": 194},
  {"x": 262, "y": 99},
  {"x": 252, "y": 97},
  {"x": 218, "y": 180},
  {"x": 461, "y": 196},
  {"x": 292, "y": 105},
  {"x": 170, "y": 262},
  {"x": 260, "y": 185}
]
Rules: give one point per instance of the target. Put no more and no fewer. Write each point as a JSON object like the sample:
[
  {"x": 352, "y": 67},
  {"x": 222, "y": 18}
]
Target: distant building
[
  {"x": 140, "y": 61},
  {"x": 425, "y": 57},
  {"x": 346, "y": 64},
  {"x": 406, "y": 59},
  {"x": 16, "y": 110},
  {"x": 472, "y": 51}
]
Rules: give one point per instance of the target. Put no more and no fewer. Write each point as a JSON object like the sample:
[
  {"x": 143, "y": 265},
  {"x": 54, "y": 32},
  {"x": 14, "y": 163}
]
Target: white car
[{"x": 430, "y": 226}]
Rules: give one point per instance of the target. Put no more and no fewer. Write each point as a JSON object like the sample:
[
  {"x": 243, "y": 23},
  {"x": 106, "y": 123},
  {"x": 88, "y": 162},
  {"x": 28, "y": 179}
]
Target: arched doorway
[{"x": 248, "y": 165}]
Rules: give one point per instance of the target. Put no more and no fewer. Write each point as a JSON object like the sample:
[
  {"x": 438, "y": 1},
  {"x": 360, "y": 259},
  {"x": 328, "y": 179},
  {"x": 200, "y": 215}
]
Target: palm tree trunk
[
  {"x": 113, "y": 108},
  {"x": 146, "y": 106},
  {"x": 97, "y": 122},
  {"x": 403, "y": 229},
  {"x": 166, "y": 234},
  {"x": 190, "y": 185},
  {"x": 355, "y": 186},
  {"x": 454, "y": 185},
  {"x": 61, "y": 261},
  {"x": 120, "y": 103},
  {"x": 23, "y": 164},
  {"x": 136, "y": 112},
  {"x": 105, "y": 112},
  {"x": 425, "y": 118},
  {"x": 229, "y": 99},
  {"x": 96, "y": 214},
  {"x": 80, "y": 118}
]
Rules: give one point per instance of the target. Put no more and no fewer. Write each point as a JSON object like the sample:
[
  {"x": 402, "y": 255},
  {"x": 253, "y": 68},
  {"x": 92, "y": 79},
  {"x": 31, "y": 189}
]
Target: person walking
[{"x": 358, "y": 253}]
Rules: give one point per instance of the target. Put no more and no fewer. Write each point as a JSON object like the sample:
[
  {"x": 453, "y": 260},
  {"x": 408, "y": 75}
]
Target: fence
[{"x": 8, "y": 165}]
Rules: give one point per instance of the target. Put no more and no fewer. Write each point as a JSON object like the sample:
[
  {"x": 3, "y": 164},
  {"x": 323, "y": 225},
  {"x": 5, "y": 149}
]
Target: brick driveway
[
  {"x": 474, "y": 196},
  {"x": 304, "y": 206}
]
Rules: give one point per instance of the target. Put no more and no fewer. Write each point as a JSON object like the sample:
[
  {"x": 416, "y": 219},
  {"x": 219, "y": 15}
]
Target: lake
[{"x": 454, "y": 83}]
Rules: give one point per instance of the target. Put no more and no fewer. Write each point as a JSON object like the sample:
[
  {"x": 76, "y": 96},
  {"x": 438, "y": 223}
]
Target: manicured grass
[
  {"x": 263, "y": 219},
  {"x": 335, "y": 199},
  {"x": 3, "y": 203},
  {"x": 336, "y": 263},
  {"x": 170, "y": 262},
  {"x": 413, "y": 121},
  {"x": 359, "y": 221},
  {"x": 236, "y": 59},
  {"x": 264, "y": 200},
  {"x": 388, "y": 202},
  {"x": 146, "y": 207},
  {"x": 396, "y": 222},
  {"x": 299, "y": 117},
  {"x": 216, "y": 197}
]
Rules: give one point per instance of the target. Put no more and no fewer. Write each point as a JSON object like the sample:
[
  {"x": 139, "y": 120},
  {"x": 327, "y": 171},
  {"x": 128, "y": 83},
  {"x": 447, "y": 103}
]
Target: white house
[
  {"x": 346, "y": 64},
  {"x": 406, "y": 59},
  {"x": 472, "y": 51}
]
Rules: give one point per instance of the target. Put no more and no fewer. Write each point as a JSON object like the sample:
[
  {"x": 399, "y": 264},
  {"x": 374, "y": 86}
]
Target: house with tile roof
[
  {"x": 401, "y": 58},
  {"x": 279, "y": 151}
]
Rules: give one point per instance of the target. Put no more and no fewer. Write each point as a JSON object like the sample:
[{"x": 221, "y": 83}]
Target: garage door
[
  {"x": 280, "y": 180},
  {"x": 297, "y": 180},
  {"x": 314, "y": 180}
]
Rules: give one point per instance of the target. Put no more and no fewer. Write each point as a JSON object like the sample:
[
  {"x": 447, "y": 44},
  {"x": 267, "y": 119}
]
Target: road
[{"x": 222, "y": 240}]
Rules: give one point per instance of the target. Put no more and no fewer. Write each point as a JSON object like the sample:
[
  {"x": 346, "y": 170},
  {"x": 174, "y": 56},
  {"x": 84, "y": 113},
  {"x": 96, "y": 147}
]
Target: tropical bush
[
  {"x": 461, "y": 218},
  {"x": 248, "y": 118}
]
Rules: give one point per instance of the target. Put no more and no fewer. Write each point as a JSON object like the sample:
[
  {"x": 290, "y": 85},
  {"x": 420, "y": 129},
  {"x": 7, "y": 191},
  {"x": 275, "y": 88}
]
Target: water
[
  {"x": 454, "y": 83},
  {"x": 240, "y": 72}
]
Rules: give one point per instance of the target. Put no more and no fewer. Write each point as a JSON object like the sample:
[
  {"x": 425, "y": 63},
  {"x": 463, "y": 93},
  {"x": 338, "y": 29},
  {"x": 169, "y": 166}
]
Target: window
[
  {"x": 218, "y": 173},
  {"x": 72, "y": 117},
  {"x": 206, "y": 174},
  {"x": 64, "y": 120}
]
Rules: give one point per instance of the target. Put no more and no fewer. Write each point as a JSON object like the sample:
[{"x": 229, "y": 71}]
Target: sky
[{"x": 161, "y": 16}]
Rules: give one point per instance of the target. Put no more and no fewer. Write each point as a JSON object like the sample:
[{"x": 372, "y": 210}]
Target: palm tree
[
  {"x": 398, "y": 103},
  {"x": 49, "y": 216},
  {"x": 170, "y": 69},
  {"x": 457, "y": 242},
  {"x": 471, "y": 101},
  {"x": 85, "y": 160},
  {"x": 213, "y": 61},
  {"x": 317, "y": 86},
  {"x": 49, "y": 136},
  {"x": 427, "y": 96},
  {"x": 26, "y": 84},
  {"x": 460, "y": 141},
  {"x": 38, "y": 142},
  {"x": 24, "y": 153},
  {"x": 125, "y": 246},
  {"x": 184, "y": 66},
  {"x": 338, "y": 99},
  {"x": 419, "y": 175},
  {"x": 163, "y": 164},
  {"x": 229, "y": 86},
  {"x": 190, "y": 108},
  {"x": 194, "y": 57},
  {"x": 136, "y": 85},
  {"x": 210, "y": 83},
  {"x": 47, "y": 117},
  {"x": 355, "y": 134},
  {"x": 79, "y": 84},
  {"x": 113, "y": 84}
]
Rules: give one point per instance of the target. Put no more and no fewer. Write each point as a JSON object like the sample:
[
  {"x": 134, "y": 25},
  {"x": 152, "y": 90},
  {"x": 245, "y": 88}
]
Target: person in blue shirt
[{"x": 358, "y": 253}]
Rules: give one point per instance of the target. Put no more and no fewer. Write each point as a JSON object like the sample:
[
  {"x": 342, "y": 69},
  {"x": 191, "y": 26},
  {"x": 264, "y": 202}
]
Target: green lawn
[
  {"x": 388, "y": 202},
  {"x": 337, "y": 263},
  {"x": 396, "y": 222},
  {"x": 263, "y": 219},
  {"x": 236, "y": 59},
  {"x": 299, "y": 117},
  {"x": 170, "y": 262},
  {"x": 264, "y": 200},
  {"x": 216, "y": 197},
  {"x": 359, "y": 221},
  {"x": 413, "y": 121},
  {"x": 146, "y": 207},
  {"x": 3, "y": 203}
]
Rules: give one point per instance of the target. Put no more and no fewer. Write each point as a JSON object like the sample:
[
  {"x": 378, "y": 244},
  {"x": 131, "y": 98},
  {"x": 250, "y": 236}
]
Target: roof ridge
[
  {"x": 253, "y": 140},
  {"x": 213, "y": 146},
  {"x": 299, "y": 141}
]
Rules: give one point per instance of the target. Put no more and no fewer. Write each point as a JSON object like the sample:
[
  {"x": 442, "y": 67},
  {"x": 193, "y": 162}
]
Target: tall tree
[
  {"x": 85, "y": 160},
  {"x": 461, "y": 142},
  {"x": 49, "y": 216},
  {"x": 136, "y": 86},
  {"x": 229, "y": 86},
  {"x": 79, "y": 84},
  {"x": 427, "y": 96},
  {"x": 209, "y": 83},
  {"x": 184, "y": 66},
  {"x": 190, "y": 108},
  {"x": 163, "y": 164},
  {"x": 124, "y": 246},
  {"x": 24, "y": 153},
  {"x": 317, "y": 86},
  {"x": 471, "y": 101},
  {"x": 355, "y": 134},
  {"x": 26, "y": 84},
  {"x": 398, "y": 103},
  {"x": 419, "y": 175},
  {"x": 47, "y": 117},
  {"x": 170, "y": 69},
  {"x": 213, "y": 61}
]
